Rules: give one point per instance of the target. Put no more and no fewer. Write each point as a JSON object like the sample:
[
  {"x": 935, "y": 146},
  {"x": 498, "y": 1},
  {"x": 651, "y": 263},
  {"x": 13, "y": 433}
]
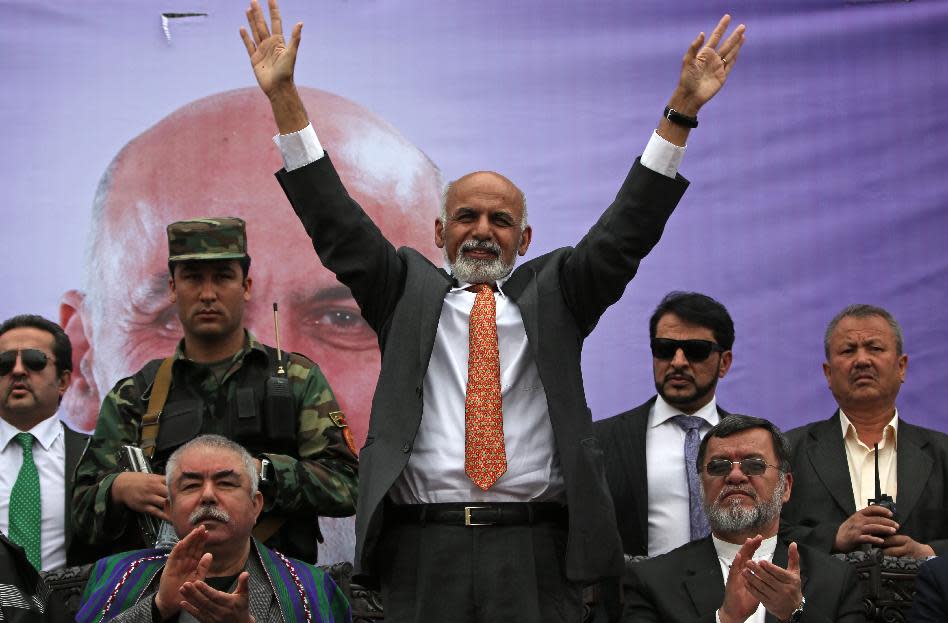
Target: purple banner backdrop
[{"x": 818, "y": 174}]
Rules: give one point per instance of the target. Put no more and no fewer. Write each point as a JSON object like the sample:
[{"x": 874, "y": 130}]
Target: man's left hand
[
  {"x": 706, "y": 66},
  {"x": 779, "y": 590},
  {"x": 209, "y": 605},
  {"x": 902, "y": 545}
]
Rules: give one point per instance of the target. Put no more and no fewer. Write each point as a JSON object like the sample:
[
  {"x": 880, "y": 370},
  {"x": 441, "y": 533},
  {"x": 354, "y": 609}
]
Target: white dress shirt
[
  {"x": 435, "y": 470},
  {"x": 49, "y": 455},
  {"x": 861, "y": 460},
  {"x": 669, "y": 523},
  {"x": 726, "y": 553}
]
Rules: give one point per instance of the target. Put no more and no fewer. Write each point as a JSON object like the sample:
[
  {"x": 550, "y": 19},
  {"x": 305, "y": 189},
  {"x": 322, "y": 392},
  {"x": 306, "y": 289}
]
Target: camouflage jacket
[{"x": 316, "y": 477}]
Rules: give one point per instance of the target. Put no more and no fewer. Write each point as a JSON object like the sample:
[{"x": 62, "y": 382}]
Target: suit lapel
[
  {"x": 432, "y": 292},
  {"x": 74, "y": 444},
  {"x": 634, "y": 462},
  {"x": 913, "y": 468},
  {"x": 828, "y": 458},
  {"x": 522, "y": 290},
  {"x": 703, "y": 579}
]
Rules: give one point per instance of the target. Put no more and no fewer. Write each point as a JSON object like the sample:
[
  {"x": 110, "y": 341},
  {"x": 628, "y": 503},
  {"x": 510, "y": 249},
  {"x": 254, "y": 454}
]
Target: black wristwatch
[
  {"x": 679, "y": 119},
  {"x": 797, "y": 615}
]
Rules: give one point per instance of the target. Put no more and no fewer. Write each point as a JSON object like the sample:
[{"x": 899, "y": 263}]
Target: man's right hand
[
  {"x": 186, "y": 563},
  {"x": 142, "y": 493},
  {"x": 870, "y": 525},
  {"x": 739, "y": 603}
]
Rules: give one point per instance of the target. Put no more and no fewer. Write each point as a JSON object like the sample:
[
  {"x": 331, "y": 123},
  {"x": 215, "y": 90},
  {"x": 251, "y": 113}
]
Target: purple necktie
[{"x": 699, "y": 521}]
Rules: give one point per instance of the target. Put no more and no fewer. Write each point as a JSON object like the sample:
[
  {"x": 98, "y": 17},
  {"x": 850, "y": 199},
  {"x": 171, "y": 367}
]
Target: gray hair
[
  {"x": 214, "y": 442},
  {"x": 447, "y": 191},
  {"x": 861, "y": 310}
]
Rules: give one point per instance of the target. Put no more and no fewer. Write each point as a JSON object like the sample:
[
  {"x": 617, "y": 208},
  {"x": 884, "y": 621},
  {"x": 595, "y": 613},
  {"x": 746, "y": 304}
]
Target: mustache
[
  {"x": 18, "y": 384},
  {"x": 209, "y": 512},
  {"x": 726, "y": 491},
  {"x": 483, "y": 245}
]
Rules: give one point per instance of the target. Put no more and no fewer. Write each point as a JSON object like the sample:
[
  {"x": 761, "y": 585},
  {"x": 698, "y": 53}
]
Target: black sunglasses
[
  {"x": 695, "y": 350},
  {"x": 33, "y": 359},
  {"x": 750, "y": 467}
]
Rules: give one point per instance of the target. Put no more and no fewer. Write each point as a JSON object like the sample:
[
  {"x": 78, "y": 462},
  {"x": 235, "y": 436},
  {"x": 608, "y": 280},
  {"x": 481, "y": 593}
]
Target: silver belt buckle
[{"x": 467, "y": 516}]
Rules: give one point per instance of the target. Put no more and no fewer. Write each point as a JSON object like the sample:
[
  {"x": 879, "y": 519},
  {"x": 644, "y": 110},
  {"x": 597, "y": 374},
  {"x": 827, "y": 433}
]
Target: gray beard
[
  {"x": 726, "y": 518},
  {"x": 472, "y": 270}
]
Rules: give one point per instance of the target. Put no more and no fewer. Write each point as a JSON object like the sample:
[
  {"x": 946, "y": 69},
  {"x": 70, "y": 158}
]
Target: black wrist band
[{"x": 679, "y": 119}]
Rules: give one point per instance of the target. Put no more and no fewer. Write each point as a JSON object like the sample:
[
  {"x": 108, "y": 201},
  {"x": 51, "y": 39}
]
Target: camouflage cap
[{"x": 221, "y": 238}]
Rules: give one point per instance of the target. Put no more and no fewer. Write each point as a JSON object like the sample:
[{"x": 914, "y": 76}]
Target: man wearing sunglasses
[
  {"x": 743, "y": 571},
  {"x": 220, "y": 380},
  {"x": 646, "y": 450},
  {"x": 836, "y": 507},
  {"x": 38, "y": 454}
]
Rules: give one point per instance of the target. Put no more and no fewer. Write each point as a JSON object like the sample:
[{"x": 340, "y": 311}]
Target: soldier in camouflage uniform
[{"x": 219, "y": 384}]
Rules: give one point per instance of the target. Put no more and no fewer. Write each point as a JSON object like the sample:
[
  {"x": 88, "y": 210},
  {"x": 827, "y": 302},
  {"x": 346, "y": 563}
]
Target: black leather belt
[{"x": 479, "y": 514}]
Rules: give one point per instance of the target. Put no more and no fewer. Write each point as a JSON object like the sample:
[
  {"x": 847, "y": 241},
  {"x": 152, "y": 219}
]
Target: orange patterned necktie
[{"x": 485, "y": 459}]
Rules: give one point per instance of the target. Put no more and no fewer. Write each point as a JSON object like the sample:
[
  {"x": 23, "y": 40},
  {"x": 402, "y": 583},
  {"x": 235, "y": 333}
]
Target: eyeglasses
[
  {"x": 750, "y": 467},
  {"x": 33, "y": 359},
  {"x": 695, "y": 350}
]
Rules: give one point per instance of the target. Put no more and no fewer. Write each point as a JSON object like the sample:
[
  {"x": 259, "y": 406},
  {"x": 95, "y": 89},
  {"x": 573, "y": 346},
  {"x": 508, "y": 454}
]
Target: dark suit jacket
[
  {"x": 561, "y": 296},
  {"x": 686, "y": 585},
  {"x": 622, "y": 438},
  {"x": 77, "y": 553},
  {"x": 930, "y": 604},
  {"x": 822, "y": 495}
]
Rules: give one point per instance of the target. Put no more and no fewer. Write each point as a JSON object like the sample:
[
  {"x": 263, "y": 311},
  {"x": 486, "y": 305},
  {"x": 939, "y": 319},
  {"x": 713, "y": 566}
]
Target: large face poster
[{"x": 818, "y": 173}]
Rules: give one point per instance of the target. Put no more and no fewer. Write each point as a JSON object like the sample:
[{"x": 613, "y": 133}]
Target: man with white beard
[{"x": 743, "y": 572}]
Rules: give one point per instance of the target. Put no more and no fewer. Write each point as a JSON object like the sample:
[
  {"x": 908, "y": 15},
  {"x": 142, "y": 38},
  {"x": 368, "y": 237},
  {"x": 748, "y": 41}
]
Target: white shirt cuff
[
  {"x": 661, "y": 156},
  {"x": 299, "y": 148}
]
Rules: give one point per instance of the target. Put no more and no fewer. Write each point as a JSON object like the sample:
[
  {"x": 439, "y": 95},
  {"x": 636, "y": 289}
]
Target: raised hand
[
  {"x": 209, "y": 605},
  {"x": 273, "y": 61},
  {"x": 739, "y": 602},
  {"x": 780, "y": 590},
  {"x": 706, "y": 66},
  {"x": 186, "y": 563}
]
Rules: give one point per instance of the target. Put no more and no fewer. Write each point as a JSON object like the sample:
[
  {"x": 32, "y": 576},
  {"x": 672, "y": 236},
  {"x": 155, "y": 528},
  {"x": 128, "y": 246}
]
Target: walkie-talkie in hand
[
  {"x": 881, "y": 498},
  {"x": 280, "y": 420}
]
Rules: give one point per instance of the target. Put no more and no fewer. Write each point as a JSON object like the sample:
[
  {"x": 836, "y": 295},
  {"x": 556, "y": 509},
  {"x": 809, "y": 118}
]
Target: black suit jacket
[
  {"x": 622, "y": 438},
  {"x": 561, "y": 296},
  {"x": 77, "y": 552},
  {"x": 822, "y": 496},
  {"x": 930, "y": 603},
  {"x": 686, "y": 585}
]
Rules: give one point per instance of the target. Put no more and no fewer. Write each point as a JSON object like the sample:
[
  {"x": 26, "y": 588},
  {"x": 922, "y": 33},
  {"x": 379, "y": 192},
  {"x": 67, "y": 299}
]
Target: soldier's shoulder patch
[{"x": 339, "y": 419}]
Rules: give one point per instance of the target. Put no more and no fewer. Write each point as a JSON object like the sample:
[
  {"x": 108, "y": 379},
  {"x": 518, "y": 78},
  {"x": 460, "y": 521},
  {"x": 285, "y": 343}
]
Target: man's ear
[
  {"x": 172, "y": 295},
  {"x": 439, "y": 233},
  {"x": 80, "y": 404},
  {"x": 257, "y": 505},
  {"x": 525, "y": 239},
  {"x": 248, "y": 282}
]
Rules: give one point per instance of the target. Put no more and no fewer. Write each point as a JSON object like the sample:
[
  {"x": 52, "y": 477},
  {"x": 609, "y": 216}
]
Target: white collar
[
  {"x": 664, "y": 412},
  {"x": 727, "y": 551},
  {"x": 46, "y": 432}
]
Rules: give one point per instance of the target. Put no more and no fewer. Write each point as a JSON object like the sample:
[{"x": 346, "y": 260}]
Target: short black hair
[
  {"x": 698, "y": 309},
  {"x": 62, "y": 347},
  {"x": 736, "y": 423},
  {"x": 243, "y": 261}
]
